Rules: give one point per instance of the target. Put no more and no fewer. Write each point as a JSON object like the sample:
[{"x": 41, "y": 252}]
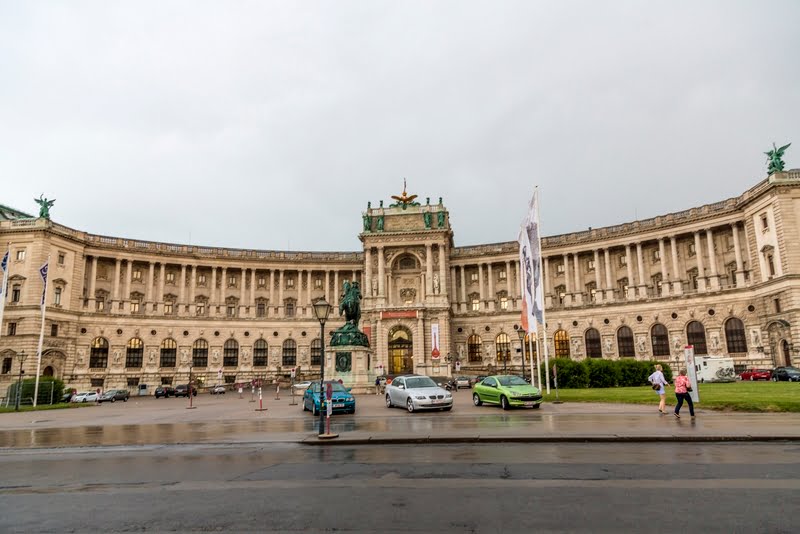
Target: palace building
[{"x": 723, "y": 277}]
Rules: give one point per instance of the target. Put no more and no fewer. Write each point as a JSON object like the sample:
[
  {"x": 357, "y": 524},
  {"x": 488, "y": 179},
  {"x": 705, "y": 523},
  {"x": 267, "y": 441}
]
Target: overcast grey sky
[{"x": 270, "y": 125}]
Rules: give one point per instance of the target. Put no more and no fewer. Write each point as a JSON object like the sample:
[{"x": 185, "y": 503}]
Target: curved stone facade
[{"x": 124, "y": 312}]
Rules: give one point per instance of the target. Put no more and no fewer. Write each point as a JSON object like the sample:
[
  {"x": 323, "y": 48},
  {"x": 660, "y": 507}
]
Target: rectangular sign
[
  {"x": 407, "y": 314},
  {"x": 691, "y": 372}
]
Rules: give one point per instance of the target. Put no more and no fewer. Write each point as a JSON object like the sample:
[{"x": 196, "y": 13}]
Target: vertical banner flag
[
  {"x": 530, "y": 271},
  {"x": 435, "y": 341},
  {"x": 4, "y": 285},
  {"x": 43, "y": 272}
]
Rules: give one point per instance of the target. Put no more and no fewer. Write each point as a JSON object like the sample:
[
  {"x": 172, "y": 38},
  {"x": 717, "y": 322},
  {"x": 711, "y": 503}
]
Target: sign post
[
  {"x": 691, "y": 371},
  {"x": 555, "y": 382},
  {"x": 294, "y": 374},
  {"x": 329, "y": 407},
  {"x": 260, "y": 408}
]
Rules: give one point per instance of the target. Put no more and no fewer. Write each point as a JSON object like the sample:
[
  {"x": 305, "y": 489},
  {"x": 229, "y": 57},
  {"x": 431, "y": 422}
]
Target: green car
[{"x": 507, "y": 391}]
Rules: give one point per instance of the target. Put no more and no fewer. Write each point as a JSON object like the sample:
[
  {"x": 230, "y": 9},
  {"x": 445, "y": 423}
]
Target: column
[
  {"x": 223, "y": 291},
  {"x": 662, "y": 259},
  {"x": 381, "y": 273},
  {"x": 192, "y": 288},
  {"x": 609, "y": 282},
  {"x": 328, "y": 286},
  {"x": 252, "y": 291},
  {"x": 243, "y": 292},
  {"x": 280, "y": 292},
  {"x": 453, "y": 290},
  {"x": 567, "y": 280},
  {"x": 337, "y": 289},
  {"x": 701, "y": 272},
  {"x": 367, "y": 290},
  {"x": 115, "y": 294},
  {"x": 598, "y": 284},
  {"x": 463, "y": 290},
  {"x": 389, "y": 289},
  {"x": 442, "y": 272},
  {"x": 272, "y": 303},
  {"x": 161, "y": 276},
  {"x": 737, "y": 250},
  {"x": 640, "y": 264},
  {"x": 92, "y": 281},
  {"x": 212, "y": 309},
  {"x": 491, "y": 286},
  {"x": 631, "y": 288},
  {"x": 578, "y": 294},
  {"x": 149, "y": 289},
  {"x": 298, "y": 309},
  {"x": 481, "y": 292},
  {"x": 677, "y": 285},
  {"x": 548, "y": 287},
  {"x": 712, "y": 260},
  {"x": 182, "y": 291},
  {"x": 428, "y": 269},
  {"x": 422, "y": 354},
  {"x": 128, "y": 278}
]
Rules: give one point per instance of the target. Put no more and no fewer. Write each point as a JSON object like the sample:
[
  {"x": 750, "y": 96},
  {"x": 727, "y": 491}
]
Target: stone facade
[{"x": 123, "y": 312}]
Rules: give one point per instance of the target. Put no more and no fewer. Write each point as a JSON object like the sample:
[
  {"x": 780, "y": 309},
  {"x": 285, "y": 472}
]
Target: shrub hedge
[
  {"x": 598, "y": 373},
  {"x": 29, "y": 386}
]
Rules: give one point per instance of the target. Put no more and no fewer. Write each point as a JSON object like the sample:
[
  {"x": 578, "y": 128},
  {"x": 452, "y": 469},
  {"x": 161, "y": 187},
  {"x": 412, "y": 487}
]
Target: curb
[{"x": 314, "y": 441}]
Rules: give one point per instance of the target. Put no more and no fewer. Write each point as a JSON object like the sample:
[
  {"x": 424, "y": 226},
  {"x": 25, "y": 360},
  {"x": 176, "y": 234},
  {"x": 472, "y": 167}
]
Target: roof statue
[
  {"x": 44, "y": 206},
  {"x": 404, "y": 200},
  {"x": 775, "y": 158}
]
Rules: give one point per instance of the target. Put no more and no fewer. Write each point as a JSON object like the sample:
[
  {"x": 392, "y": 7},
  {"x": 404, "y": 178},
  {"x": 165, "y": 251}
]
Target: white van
[{"x": 714, "y": 369}]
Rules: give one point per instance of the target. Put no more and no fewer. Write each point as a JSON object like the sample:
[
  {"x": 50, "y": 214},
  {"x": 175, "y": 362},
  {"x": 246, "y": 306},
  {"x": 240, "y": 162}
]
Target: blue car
[{"x": 343, "y": 400}]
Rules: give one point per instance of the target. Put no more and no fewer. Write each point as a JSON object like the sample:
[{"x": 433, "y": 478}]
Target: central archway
[{"x": 401, "y": 352}]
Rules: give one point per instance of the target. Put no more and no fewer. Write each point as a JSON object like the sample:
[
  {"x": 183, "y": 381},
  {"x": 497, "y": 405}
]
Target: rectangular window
[
  {"x": 691, "y": 249},
  {"x": 6, "y": 365},
  {"x": 134, "y": 306},
  {"x": 503, "y": 303},
  {"x": 590, "y": 266},
  {"x": 231, "y": 311},
  {"x": 54, "y": 330},
  {"x": 15, "y": 294},
  {"x": 623, "y": 261},
  {"x": 777, "y": 303},
  {"x": 560, "y": 268},
  {"x": 764, "y": 224},
  {"x": 230, "y": 379},
  {"x": 317, "y": 283},
  {"x": 98, "y": 382},
  {"x": 201, "y": 279},
  {"x": 100, "y": 304},
  {"x": 231, "y": 281},
  {"x": 168, "y": 308},
  {"x": 501, "y": 275},
  {"x": 12, "y": 329},
  {"x": 261, "y": 309},
  {"x": 473, "y": 277},
  {"x": 771, "y": 265},
  {"x": 57, "y": 296},
  {"x": 133, "y": 381},
  {"x": 200, "y": 308},
  {"x": 262, "y": 281},
  {"x": 290, "y": 309},
  {"x": 137, "y": 275},
  {"x": 656, "y": 256},
  {"x": 21, "y": 255},
  {"x": 62, "y": 258},
  {"x": 170, "y": 278},
  {"x": 166, "y": 380},
  {"x": 476, "y": 305},
  {"x": 290, "y": 282}
]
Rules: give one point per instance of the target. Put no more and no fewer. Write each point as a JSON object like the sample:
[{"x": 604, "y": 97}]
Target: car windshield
[
  {"x": 336, "y": 387},
  {"x": 417, "y": 382},
  {"x": 511, "y": 381}
]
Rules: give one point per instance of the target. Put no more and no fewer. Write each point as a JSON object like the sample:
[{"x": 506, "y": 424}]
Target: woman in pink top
[{"x": 681, "y": 384}]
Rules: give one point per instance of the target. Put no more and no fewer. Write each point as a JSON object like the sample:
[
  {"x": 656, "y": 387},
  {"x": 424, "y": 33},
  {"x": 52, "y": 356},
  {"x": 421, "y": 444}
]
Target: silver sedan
[{"x": 417, "y": 392}]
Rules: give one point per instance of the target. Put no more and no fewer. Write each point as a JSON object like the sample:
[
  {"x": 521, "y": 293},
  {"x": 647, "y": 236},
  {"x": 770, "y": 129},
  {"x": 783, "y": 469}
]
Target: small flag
[
  {"x": 4, "y": 263},
  {"x": 43, "y": 272}
]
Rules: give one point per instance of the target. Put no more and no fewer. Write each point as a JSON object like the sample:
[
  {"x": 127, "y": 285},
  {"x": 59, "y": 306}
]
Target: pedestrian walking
[
  {"x": 682, "y": 389},
  {"x": 377, "y": 385},
  {"x": 658, "y": 383}
]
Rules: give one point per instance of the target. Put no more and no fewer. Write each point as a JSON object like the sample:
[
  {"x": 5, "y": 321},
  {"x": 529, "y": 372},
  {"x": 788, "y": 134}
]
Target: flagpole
[
  {"x": 544, "y": 319},
  {"x": 41, "y": 335},
  {"x": 4, "y": 287}
]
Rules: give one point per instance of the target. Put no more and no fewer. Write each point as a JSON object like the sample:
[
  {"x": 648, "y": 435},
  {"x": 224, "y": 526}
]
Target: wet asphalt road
[{"x": 669, "y": 487}]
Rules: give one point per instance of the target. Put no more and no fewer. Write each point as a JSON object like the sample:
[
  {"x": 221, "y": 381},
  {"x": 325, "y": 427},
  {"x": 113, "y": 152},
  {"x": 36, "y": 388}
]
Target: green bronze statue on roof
[
  {"x": 775, "y": 158},
  {"x": 44, "y": 206}
]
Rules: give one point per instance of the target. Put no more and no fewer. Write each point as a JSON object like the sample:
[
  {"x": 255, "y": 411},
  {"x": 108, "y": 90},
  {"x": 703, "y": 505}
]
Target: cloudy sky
[{"x": 270, "y": 125}]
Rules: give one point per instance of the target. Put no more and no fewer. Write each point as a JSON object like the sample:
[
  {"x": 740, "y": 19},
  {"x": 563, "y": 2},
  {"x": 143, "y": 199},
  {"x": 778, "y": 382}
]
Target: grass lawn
[
  {"x": 736, "y": 396},
  {"x": 42, "y": 407}
]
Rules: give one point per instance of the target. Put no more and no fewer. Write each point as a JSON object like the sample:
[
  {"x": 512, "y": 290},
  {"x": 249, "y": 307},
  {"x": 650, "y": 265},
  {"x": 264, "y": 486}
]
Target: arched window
[
  {"x": 696, "y": 336},
  {"x": 200, "y": 353},
  {"x": 593, "y": 349},
  {"x": 503, "y": 347},
  {"x": 289, "y": 353},
  {"x": 734, "y": 334},
  {"x": 659, "y": 338},
  {"x": 260, "y": 353},
  {"x": 230, "y": 353},
  {"x": 625, "y": 342},
  {"x": 531, "y": 346},
  {"x": 316, "y": 352},
  {"x": 134, "y": 353},
  {"x": 561, "y": 344},
  {"x": 474, "y": 348},
  {"x": 169, "y": 351}
]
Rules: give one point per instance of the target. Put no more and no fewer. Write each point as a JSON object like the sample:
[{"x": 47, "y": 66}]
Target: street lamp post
[
  {"x": 19, "y": 382},
  {"x": 321, "y": 311},
  {"x": 521, "y": 334}
]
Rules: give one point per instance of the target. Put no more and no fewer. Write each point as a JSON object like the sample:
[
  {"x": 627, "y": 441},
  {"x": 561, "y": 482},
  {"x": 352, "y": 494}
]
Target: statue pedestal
[{"x": 357, "y": 378}]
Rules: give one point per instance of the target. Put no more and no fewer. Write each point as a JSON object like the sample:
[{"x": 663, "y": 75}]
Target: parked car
[
  {"x": 786, "y": 374},
  {"x": 343, "y": 401},
  {"x": 113, "y": 395},
  {"x": 86, "y": 396},
  {"x": 463, "y": 382},
  {"x": 218, "y": 390},
  {"x": 418, "y": 392},
  {"x": 68, "y": 394},
  {"x": 508, "y": 391},
  {"x": 183, "y": 390},
  {"x": 478, "y": 379},
  {"x": 165, "y": 391},
  {"x": 756, "y": 374}
]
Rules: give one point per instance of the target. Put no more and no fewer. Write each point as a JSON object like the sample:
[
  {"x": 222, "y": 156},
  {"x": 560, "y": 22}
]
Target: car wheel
[
  {"x": 536, "y": 406},
  {"x": 113, "y": 400},
  {"x": 447, "y": 409},
  {"x": 476, "y": 399},
  {"x": 388, "y": 401},
  {"x": 774, "y": 378},
  {"x": 410, "y": 405},
  {"x": 504, "y": 403},
  {"x": 314, "y": 410},
  {"x": 751, "y": 378},
  {"x": 84, "y": 400},
  {"x": 125, "y": 399}
]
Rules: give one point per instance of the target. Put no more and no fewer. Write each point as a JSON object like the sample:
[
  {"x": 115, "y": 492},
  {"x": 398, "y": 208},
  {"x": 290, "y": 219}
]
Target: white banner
[{"x": 530, "y": 269}]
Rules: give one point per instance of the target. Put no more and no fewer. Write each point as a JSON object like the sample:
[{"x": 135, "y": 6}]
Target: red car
[{"x": 756, "y": 374}]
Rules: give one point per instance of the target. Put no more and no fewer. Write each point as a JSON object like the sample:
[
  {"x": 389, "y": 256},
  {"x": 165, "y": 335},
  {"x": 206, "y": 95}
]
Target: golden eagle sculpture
[{"x": 404, "y": 200}]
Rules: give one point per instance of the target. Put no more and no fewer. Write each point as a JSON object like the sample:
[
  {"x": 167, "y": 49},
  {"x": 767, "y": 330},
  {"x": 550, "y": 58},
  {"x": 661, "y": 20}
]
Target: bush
[
  {"x": 633, "y": 373},
  {"x": 571, "y": 374},
  {"x": 602, "y": 373},
  {"x": 46, "y": 384}
]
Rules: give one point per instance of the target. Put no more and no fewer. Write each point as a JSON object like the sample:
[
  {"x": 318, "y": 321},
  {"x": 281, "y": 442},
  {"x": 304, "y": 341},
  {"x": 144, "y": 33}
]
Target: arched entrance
[
  {"x": 48, "y": 371},
  {"x": 787, "y": 358},
  {"x": 401, "y": 352}
]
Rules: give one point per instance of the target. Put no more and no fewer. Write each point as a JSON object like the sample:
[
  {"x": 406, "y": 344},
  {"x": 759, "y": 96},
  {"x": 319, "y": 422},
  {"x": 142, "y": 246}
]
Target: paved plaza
[{"x": 226, "y": 419}]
